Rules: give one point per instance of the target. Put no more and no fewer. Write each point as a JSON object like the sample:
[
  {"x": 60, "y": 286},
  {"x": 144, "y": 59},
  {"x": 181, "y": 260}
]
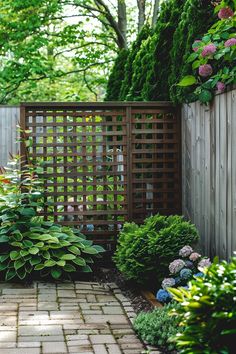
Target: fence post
[{"x": 129, "y": 163}]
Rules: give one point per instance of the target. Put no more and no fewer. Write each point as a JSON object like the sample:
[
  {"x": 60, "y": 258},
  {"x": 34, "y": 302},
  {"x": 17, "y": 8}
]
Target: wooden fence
[
  {"x": 106, "y": 163},
  {"x": 9, "y": 118},
  {"x": 209, "y": 172}
]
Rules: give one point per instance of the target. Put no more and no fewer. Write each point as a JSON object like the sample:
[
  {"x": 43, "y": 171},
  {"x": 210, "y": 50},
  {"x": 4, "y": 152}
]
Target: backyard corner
[{"x": 117, "y": 177}]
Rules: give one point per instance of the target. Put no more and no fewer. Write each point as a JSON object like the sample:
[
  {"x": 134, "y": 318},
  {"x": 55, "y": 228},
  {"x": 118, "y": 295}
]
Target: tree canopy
[{"x": 64, "y": 49}]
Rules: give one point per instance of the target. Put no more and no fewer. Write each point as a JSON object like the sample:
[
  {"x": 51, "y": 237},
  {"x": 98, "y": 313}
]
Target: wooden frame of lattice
[{"x": 106, "y": 163}]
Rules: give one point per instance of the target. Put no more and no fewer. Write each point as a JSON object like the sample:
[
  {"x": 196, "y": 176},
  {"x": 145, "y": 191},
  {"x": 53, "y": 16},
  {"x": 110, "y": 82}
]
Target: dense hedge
[
  {"x": 157, "y": 59},
  {"x": 116, "y": 76}
]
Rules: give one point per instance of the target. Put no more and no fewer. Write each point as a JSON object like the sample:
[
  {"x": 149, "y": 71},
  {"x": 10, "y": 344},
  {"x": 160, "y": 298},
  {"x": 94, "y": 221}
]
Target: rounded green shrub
[
  {"x": 158, "y": 326},
  {"x": 144, "y": 252},
  {"x": 208, "y": 311}
]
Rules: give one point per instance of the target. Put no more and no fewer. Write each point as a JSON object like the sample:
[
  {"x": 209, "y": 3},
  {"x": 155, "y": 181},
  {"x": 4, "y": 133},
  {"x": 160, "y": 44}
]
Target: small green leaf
[
  {"x": 11, "y": 273},
  {"x": 28, "y": 243},
  {"x": 34, "y": 250},
  {"x": 61, "y": 263},
  {"x": 39, "y": 266},
  {"x": 56, "y": 273},
  {"x": 19, "y": 263},
  {"x": 79, "y": 261},
  {"x": 187, "y": 81},
  {"x": 4, "y": 257},
  {"x": 4, "y": 239},
  {"x": 28, "y": 212},
  {"x": 68, "y": 257},
  {"x": 14, "y": 255},
  {"x": 74, "y": 250},
  {"x": 50, "y": 263},
  {"x": 99, "y": 248},
  {"x": 86, "y": 269},
  {"x": 35, "y": 260},
  {"x": 21, "y": 273},
  {"x": 90, "y": 250},
  {"x": 69, "y": 268},
  {"x": 205, "y": 96}
]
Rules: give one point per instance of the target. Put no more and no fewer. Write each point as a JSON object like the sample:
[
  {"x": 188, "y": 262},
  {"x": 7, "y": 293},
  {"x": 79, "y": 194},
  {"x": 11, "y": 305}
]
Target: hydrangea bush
[
  {"x": 182, "y": 270},
  {"x": 214, "y": 56}
]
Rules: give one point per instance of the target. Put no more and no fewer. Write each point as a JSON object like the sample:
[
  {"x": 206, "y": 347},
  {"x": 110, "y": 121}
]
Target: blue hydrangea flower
[
  {"x": 185, "y": 274},
  {"x": 189, "y": 264},
  {"x": 199, "y": 274},
  {"x": 177, "y": 280},
  {"x": 90, "y": 227},
  {"x": 163, "y": 296}
]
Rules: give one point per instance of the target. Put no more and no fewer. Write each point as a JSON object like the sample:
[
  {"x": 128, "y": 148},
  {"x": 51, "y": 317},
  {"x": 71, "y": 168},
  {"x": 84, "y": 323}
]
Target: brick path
[{"x": 78, "y": 317}]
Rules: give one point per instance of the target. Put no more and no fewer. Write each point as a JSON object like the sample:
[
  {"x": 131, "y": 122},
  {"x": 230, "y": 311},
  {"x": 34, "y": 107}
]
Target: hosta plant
[
  {"x": 208, "y": 311},
  {"x": 41, "y": 246},
  {"x": 214, "y": 56},
  {"x": 30, "y": 245}
]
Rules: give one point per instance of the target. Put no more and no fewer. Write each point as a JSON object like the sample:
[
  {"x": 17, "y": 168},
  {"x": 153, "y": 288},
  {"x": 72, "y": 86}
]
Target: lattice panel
[
  {"x": 155, "y": 162},
  {"x": 105, "y": 163}
]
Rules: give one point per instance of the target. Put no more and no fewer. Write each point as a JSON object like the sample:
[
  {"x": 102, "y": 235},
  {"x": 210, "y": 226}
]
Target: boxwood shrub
[{"x": 144, "y": 252}]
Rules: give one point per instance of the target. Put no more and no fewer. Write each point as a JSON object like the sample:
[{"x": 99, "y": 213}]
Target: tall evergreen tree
[
  {"x": 156, "y": 86},
  {"x": 116, "y": 76},
  {"x": 127, "y": 82},
  {"x": 196, "y": 19}
]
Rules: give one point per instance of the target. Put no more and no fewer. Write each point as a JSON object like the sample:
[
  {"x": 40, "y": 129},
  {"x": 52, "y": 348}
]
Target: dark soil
[{"x": 129, "y": 289}]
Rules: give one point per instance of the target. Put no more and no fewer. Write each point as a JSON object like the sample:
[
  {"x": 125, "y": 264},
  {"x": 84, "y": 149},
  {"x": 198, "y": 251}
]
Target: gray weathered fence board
[
  {"x": 9, "y": 118},
  {"x": 209, "y": 172}
]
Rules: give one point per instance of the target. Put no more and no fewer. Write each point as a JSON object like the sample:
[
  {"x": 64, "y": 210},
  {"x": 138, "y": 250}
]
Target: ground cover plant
[
  {"x": 30, "y": 245},
  {"x": 208, "y": 311},
  {"x": 158, "y": 326},
  {"x": 144, "y": 252},
  {"x": 188, "y": 266}
]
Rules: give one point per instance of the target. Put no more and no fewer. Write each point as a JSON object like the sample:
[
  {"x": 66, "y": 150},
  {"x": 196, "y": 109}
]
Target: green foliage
[
  {"x": 29, "y": 244},
  {"x": 222, "y": 61},
  {"x": 144, "y": 252},
  {"x": 208, "y": 311},
  {"x": 157, "y": 86},
  {"x": 158, "y": 326},
  {"x": 128, "y": 73},
  {"x": 196, "y": 18},
  {"x": 116, "y": 76}
]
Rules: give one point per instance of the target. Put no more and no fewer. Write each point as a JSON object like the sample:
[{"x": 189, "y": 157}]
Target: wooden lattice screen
[{"x": 106, "y": 163}]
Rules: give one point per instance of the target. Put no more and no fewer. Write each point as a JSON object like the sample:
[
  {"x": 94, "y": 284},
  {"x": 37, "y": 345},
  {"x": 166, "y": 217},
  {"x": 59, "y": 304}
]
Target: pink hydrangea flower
[
  {"x": 220, "y": 86},
  {"x": 205, "y": 70},
  {"x": 208, "y": 50},
  {"x": 194, "y": 256},
  {"x": 185, "y": 251},
  {"x": 205, "y": 262},
  {"x": 225, "y": 13},
  {"x": 195, "y": 48},
  {"x": 230, "y": 42},
  {"x": 176, "y": 266},
  {"x": 168, "y": 283}
]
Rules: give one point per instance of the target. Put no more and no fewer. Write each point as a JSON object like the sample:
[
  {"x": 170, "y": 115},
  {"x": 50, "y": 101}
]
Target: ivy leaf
[
  {"x": 68, "y": 257},
  {"x": 56, "y": 273},
  {"x": 19, "y": 263},
  {"x": 14, "y": 255},
  {"x": 34, "y": 250},
  {"x": 86, "y": 269},
  {"x": 79, "y": 261},
  {"x": 69, "y": 268},
  {"x": 205, "y": 96},
  {"x": 11, "y": 273}
]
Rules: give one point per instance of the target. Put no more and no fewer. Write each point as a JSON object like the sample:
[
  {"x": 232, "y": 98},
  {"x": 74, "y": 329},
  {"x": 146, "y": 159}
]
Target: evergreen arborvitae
[
  {"x": 156, "y": 86},
  {"x": 127, "y": 82},
  {"x": 196, "y": 19},
  {"x": 116, "y": 76}
]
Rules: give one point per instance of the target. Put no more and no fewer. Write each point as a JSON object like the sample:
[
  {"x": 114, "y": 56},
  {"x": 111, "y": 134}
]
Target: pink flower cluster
[
  {"x": 220, "y": 86},
  {"x": 205, "y": 262},
  {"x": 185, "y": 251},
  {"x": 194, "y": 256},
  {"x": 209, "y": 49},
  {"x": 176, "y": 266},
  {"x": 230, "y": 42},
  {"x": 205, "y": 70},
  {"x": 225, "y": 13}
]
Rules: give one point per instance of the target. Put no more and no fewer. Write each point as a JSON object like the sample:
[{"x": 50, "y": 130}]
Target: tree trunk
[
  {"x": 122, "y": 23},
  {"x": 141, "y": 13},
  {"x": 155, "y": 12}
]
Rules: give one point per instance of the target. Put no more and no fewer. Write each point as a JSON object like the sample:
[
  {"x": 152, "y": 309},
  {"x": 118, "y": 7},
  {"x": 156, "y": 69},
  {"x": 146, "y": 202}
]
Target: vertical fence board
[
  {"x": 212, "y": 173},
  {"x": 9, "y": 118}
]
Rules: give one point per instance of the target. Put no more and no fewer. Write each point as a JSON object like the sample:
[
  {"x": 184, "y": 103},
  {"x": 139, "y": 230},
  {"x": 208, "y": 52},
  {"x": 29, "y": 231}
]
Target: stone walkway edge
[{"x": 69, "y": 317}]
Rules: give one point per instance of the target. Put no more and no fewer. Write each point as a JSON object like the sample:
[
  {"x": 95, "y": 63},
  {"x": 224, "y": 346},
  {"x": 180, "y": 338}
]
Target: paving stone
[
  {"x": 39, "y": 330},
  {"x": 51, "y": 347},
  {"x": 28, "y": 344},
  {"x": 113, "y": 310},
  {"x": 7, "y": 336},
  {"x": 66, "y": 293},
  {"x": 102, "y": 339},
  {"x": 113, "y": 349},
  {"x": 7, "y": 345},
  {"x": 20, "y": 351},
  {"x": 100, "y": 349},
  {"x": 41, "y": 339}
]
